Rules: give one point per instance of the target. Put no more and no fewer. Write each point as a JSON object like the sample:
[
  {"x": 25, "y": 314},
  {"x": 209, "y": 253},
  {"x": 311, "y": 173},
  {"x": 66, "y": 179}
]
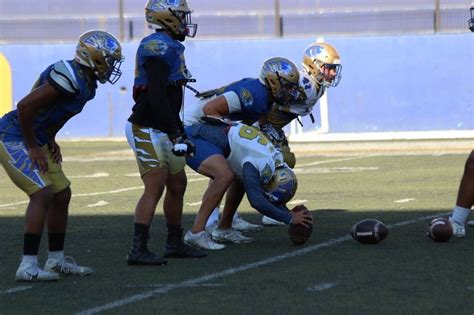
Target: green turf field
[{"x": 332, "y": 274}]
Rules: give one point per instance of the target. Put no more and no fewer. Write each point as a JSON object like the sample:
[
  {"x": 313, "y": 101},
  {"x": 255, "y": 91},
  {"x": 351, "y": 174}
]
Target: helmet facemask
[
  {"x": 175, "y": 18},
  {"x": 101, "y": 52},
  {"x": 281, "y": 77},
  {"x": 471, "y": 20},
  {"x": 322, "y": 63}
]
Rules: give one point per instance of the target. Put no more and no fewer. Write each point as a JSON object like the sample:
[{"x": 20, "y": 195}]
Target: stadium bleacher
[{"x": 32, "y": 21}]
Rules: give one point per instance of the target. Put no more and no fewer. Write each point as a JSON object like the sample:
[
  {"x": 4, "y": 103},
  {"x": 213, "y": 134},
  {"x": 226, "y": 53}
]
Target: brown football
[
  {"x": 298, "y": 233},
  {"x": 440, "y": 230}
]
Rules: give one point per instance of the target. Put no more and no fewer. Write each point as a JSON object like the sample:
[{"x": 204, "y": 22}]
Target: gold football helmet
[
  {"x": 174, "y": 16},
  {"x": 282, "y": 186},
  {"x": 281, "y": 77},
  {"x": 101, "y": 52},
  {"x": 318, "y": 55}
]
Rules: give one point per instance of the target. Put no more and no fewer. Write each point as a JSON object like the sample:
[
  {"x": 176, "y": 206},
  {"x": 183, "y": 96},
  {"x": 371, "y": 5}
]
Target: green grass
[{"x": 405, "y": 274}]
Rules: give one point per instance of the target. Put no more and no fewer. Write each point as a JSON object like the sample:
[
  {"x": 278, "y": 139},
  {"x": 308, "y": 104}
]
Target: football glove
[{"x": 183, "y": 147}]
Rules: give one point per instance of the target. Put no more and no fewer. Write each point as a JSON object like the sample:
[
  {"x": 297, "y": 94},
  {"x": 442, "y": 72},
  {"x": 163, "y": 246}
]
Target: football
[
  {"x": 440, "y": 230},
  {"x": 369, "y": 231},
  {"x": 298, "y": 233}
]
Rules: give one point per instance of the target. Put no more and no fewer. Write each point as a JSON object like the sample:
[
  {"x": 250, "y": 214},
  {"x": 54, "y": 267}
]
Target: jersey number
[{"x": 251, "y": 133}]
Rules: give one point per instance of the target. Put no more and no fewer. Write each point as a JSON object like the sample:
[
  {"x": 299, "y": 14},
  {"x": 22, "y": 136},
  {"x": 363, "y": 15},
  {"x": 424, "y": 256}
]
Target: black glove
[{"x": 183, "y": 147}]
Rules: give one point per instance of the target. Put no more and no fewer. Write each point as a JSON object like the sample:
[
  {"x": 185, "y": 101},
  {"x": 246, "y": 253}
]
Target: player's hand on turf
[
  {"x": 38, "y": 159},
  {"x": 55, "y": 152},
  {"x": 302, "y": 217},
  {"x": 183, "y": 147}
]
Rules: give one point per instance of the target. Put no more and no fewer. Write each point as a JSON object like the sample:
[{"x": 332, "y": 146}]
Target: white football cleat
[
  {"x": 230, "y": 236},
  {"x": 239, "y": 224},
  {"x": 201, "y": 240},
  {"x": 31, "y": 272},
  {"x": 459, "y": 230},
  {"x": 66, "y": 266},
  {"x": 267, "y": 221}
]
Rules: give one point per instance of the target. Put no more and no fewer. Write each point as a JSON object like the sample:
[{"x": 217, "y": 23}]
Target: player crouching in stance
[
  {"x": 321, "y": 69},
  {"x": 242, "y": 159},
  {"x": 155, "y": 131},
  {"x": 32, "y": 158}
]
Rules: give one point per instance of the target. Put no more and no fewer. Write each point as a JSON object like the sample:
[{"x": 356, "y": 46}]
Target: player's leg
[
  {"x": 154, "y": 175},
  {"x": 17, "y": 164},
  {"x": 173, "y": 209},
  {"x": 224, "y": 231},
  {"x": 465, "y": 198}
]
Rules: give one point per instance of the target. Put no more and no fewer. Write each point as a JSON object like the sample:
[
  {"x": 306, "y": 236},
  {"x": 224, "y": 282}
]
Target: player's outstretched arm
[{"x": 257, "y": 199}]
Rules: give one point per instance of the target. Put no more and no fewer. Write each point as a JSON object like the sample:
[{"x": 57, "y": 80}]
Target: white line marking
[
  {"x": 470, "y": 223},
  {"x": 98, "y": 193},
  {"x": 99, "y": 203},
  {"x": 326, "y": 170},
  {"x": 162, "y": 285},
  {"x": 194, "y": 203},
  {"x": 297, "y": 201},
  {"x": 16, "y": 289},
  {"x": 231, "y": 271},
  {"x": 404, "y": 200},
  {"x": 322, "y": 286},
  {"x": 95, "y": 175},
  {"x": 333, "y": 161}
]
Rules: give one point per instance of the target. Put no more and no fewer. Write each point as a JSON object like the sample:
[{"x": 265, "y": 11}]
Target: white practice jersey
[
  {"x": 248, "y": 144},
  {"x": 313, "y": 94}
]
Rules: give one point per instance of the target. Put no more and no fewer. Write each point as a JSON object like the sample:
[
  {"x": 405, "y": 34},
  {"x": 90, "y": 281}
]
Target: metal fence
[{"x": 33, "y": 21}]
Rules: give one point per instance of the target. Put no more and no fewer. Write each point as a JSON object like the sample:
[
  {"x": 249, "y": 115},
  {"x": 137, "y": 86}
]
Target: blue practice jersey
[
  {"x": 163, "y": 46},
  {"x": 253, "y": 97},
  {"x": 68, "y": 78}
]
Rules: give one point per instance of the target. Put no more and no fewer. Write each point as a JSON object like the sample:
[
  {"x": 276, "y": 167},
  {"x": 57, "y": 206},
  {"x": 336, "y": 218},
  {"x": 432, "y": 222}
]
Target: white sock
[
  {"x": 460, "y": 215},
  {"x": 31, "y": 259},
  {"x": 56, "y": 255},
  {"x": 214, "y": 217}
]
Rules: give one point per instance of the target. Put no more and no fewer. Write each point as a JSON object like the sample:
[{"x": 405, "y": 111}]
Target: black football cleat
[
  {"x": 176, "y": 248},
  {"x": 183, "y": 251},
  {"x": 143, "y": 257}
]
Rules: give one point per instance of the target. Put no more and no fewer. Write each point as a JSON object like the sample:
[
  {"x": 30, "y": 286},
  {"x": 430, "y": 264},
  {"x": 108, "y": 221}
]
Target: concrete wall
[{"x": 411, "y": 83}]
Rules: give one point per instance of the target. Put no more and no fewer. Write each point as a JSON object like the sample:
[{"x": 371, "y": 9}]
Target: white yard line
[
  {"x": 404, "y": 200},
  {"x": 322, "y": 286},
  {"x": 232, "y": 271},
  {"x": 16, "y": 289},
  {"x": 333, "y": 161}
]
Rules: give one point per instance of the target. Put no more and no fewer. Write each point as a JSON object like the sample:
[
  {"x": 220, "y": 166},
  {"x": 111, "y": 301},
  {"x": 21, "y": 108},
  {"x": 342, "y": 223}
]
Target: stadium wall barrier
[
  {"x": 6, "y": 97},
  {"x": 389, "y": 84}
]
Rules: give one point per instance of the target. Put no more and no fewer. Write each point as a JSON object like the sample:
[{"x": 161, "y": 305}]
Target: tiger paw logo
[{"x": 246, "y": 97}]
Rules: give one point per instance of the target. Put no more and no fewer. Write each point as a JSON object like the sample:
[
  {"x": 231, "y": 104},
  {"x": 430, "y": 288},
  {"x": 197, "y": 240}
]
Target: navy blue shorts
[{"x": 209, "y": 140}]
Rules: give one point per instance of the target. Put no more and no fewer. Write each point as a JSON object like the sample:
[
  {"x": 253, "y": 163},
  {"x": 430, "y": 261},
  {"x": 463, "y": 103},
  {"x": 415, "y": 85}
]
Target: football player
[
  {"x": 155, "y": 131},
  {"x": 465, "y": 198},
  {"x": 247, "y": 100},
  {"x": 242, "y": 160},
  {"x": 32, "y": 158},
  {"x": 321, "y": 69}
]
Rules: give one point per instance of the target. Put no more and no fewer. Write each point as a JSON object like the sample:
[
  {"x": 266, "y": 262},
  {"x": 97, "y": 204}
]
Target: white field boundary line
[
  {"x": 232, "y": 271},
  {"x": 16, "y": 289},
  {"x": 117, "y": 191}
]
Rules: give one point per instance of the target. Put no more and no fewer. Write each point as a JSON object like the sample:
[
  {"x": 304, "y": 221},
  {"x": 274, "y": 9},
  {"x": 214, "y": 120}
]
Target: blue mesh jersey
[
  {"x": 253, "y": 98},
  {"x": 163, "y": 46},
  {"x": 49, "y": 120}
]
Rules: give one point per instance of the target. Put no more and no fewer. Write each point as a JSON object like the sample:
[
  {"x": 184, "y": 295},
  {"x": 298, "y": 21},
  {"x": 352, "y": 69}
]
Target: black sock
[
  {"x": 31, "y": 243},
  {"x": 141, "y": 229},
  {"x": 56, "y": 241},
  {"x": 173, "y": 228}
]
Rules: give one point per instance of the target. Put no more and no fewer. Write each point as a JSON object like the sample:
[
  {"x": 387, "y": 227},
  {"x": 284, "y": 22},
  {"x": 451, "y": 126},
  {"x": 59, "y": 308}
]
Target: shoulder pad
[{"x": 63, "y": 77}]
